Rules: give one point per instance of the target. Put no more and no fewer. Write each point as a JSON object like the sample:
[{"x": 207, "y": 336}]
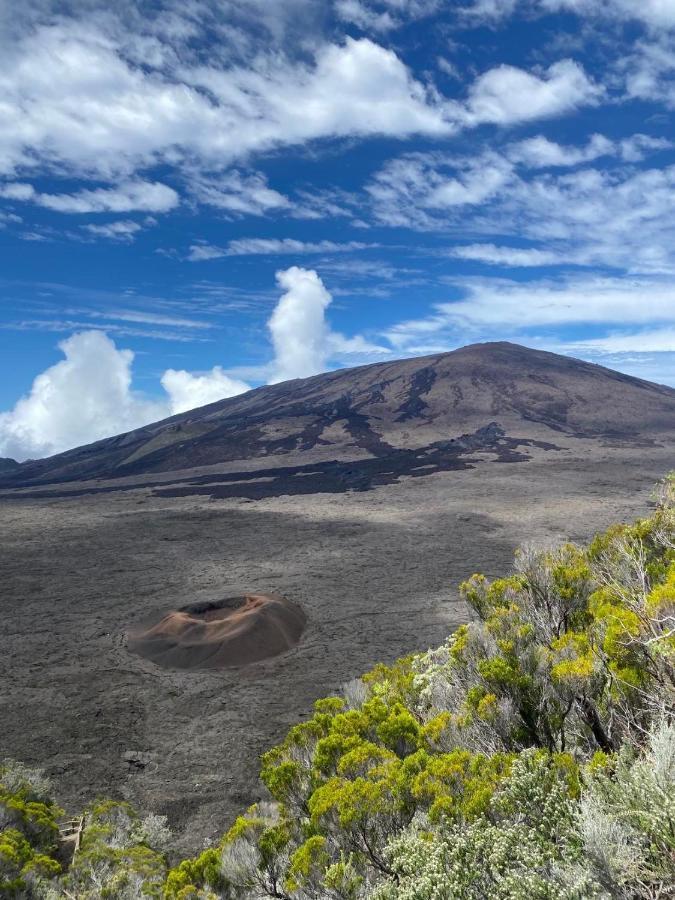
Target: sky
[{"x": 202, "y": 196}]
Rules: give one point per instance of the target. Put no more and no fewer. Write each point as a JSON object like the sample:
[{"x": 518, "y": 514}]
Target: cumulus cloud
[
  {"x": 72, "y": 95},
  {"x": 90, "y": 97},
  {"x": 302, "y": 339},
  {"x": 300, "y": 334},
  {"x": 506, "y": 95},
  {"x": 82, "y": 398},
  {"x": 88, "y": 395},
  {"x": 188, "y": 390}
]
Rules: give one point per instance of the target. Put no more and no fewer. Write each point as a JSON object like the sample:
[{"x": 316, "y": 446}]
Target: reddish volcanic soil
[{"x": 230, "y": 632}]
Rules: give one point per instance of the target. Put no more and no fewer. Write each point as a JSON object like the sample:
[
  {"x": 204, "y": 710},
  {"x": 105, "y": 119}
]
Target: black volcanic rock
[{"x": 375, "y": 411}]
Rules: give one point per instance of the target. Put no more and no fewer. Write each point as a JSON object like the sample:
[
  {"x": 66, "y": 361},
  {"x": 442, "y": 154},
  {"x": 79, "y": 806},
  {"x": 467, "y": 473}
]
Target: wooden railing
[{"x": 70, "y": 831}]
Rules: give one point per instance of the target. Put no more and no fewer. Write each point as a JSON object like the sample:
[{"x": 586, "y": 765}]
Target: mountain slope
[{"x": 377, "y": 410}]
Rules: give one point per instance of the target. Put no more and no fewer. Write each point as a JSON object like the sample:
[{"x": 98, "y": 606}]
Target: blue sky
[{"x": 201, "y": 196}]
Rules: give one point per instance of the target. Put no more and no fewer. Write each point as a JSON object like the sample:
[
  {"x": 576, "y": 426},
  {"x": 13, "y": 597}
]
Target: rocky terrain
[{"x": 363, "y": 496}]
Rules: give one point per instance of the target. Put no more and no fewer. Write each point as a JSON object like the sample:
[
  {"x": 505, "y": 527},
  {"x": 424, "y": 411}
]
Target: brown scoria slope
[
  {"x": 235, "y": 631},
  {"x": 375, "y": 410}
]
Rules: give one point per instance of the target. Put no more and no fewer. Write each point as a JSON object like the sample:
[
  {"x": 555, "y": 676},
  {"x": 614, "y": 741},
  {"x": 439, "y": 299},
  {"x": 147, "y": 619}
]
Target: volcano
[{"x": 355, "y": 428}]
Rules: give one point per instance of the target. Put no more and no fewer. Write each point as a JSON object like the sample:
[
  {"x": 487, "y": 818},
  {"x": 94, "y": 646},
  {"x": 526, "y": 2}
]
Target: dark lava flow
[{"x": 336, "y": 477}]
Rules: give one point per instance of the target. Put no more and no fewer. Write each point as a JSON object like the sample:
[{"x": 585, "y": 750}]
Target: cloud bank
[{"x": 92, "y": 97}]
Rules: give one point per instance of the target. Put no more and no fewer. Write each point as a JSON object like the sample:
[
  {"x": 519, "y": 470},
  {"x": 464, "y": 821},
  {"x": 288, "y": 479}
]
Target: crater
[{"x": 219, "y": 634}]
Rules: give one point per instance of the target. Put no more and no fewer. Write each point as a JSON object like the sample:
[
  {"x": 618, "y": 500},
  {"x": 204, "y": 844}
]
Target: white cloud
[
  {"x": 82, "y": 398},
  {"x": 638, "y": 146},
  {"x": 272, "y": 247},
  {"x": 302, "y": 339},
  {"x": 649, "y": 70},
  {"x": 73, "y": 98},
  {"x": 88, "y": 396},
  {"x": 489, "y": 10},
  {"x": 145, "y": 318},
  {"x": 364, "y": 16},
  {"x": 91, "y": 97},
  {"x": 448, "y": 68},
  {"x": 505, "y": 256},
  {"x": 541, "y": 153},
  {"x": 123, "y": 230},
  {"x": 9, "y": 218},
  {"x": 323, "y": 203},
  {"x": 646, "y": 340},
  {"x": 188, "y": 390},
  {"x": 17, "y": 191},
  {"x": 383, "y": 15},
  {"x": 505, "y": 95},
  {"x": 584, "y": 299},
  {"x": 516, "y": 309},
  {"x": 621, "y": 216},
  {"x": 470, "y": 188},
  {"x": 202, "y": 252},
  {"x": 627, "y": 324},
  {"x": 238, "y": 193},
  {"x": 143, "y": 196},
  {"x": 652, "y": 13},
  {"x": 646, "y": 65},
  {"x": 428, "y": 190},
  {"x": 300, "y": 334}
]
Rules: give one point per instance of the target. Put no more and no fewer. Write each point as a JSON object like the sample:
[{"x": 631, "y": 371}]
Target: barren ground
[{"x": 376, "y": 572}]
